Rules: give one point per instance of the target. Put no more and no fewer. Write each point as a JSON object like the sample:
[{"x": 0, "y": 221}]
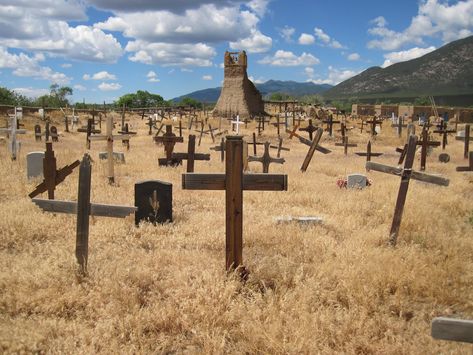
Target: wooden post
[
  {"x": 470, "y": 164},
  {"x": 83, "y": 212}
]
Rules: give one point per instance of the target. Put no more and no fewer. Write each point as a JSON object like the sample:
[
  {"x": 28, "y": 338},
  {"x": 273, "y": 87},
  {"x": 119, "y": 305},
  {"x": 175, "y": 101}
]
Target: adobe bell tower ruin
[{"x": 239, "y": 95}]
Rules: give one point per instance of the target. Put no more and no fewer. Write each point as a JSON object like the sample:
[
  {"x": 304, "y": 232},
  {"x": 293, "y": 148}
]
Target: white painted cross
[
  {"x": 12, "y": 131},
  {"x": 109, "y": 137},
  {"x": 237, "y": 123}
]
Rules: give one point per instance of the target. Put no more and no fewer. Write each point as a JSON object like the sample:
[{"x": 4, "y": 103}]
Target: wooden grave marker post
[
  {"x": 255, "y": 143},
  {"x": 309, "y": 129},
  {"x": 88, "y": 131},
  {"x": 169, "y": 140},
  {"x": 444, "y": 131},
  {"x": 277, "y": 124},
  {"x": 234, "y": 182},
  {"x": 313, "y": 146},
  {"x": 368, "y": 154},
  {"x": 374, "y": 122},
  {"x": 330, "y": 123},
  {"x": 466, "y": 141},
  {"x": 399, "y": 125},
  {"x": 191, "y": 156},
  {"x": 425, "y": 143},
  {"x": 406, "y": 173},
  {"x": 220, "y": 148},
  {"x": 52, "y": 176},
  {"x": 345, "y": 145},
  {"x": 126, "y": 131},
  {"x": 109, "y": 137},
  {"x": 83, "y": 208},
  {"x": 266, "y": 159},
  {"x": 470, "y": 164},
  {"x": 12, "y": 131}
]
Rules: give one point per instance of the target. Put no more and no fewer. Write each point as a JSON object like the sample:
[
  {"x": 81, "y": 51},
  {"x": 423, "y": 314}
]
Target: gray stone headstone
[
  {"x": 356, "y": 181},
  {"x": 34, "y": 164},
  {"x": 153, "y": 199},
  {"x": 304, "y": 220},
  {"x": 118, "y": 156}
]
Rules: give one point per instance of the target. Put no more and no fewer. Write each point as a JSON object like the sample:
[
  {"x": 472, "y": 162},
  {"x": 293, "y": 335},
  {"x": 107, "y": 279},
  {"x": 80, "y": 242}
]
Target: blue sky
[{"x": 106, "y": 48}]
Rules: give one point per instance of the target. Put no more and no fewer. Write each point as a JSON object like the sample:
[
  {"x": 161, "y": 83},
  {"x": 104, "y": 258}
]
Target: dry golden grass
[{"x": 330, "y": 288}]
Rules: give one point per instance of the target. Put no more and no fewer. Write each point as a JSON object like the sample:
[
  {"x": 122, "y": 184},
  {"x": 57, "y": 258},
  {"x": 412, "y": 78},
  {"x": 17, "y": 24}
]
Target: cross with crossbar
[{"x": 266, "y": 159}]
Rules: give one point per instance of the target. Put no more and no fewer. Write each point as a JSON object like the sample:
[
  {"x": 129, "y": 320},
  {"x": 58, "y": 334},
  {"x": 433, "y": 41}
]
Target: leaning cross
[
  {"x": 110, "y": 137},
  {"x": 266, "y": 159},
  {"x": 234, "y": 182},
  {"x": 425, "y": 143},
  {"x": 12, "y": 131},
  {"x": 208, "y": 131},
  {"x": 406, "y": 174},
  {"x": 169, "y": 140},
  {"x": 314, "y": 145},
  {"x": 52, "y": 177},
  {"x": 368, "y": 154},
  {"x": 191, "y": 155},
  {"x": 83, "y": 208}
]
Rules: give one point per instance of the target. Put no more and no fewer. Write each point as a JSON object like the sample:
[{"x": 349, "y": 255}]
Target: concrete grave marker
[
  {"x": 356, "y": 181},
  {"x": 153, "y": 199},
  {"x": 34, "y": 164}
]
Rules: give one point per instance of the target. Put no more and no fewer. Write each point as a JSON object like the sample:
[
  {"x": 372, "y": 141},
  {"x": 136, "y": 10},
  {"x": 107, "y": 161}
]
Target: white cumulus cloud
[
  {"x": 255, "y": 43},
  {"x": 31, "y": 92},
  {"x": 402, "y": 56},
  {"x": 101, "y": 75},
  {"x": 207, "y": 77},
  {"x": 109, "y": 86},
  {"x": 152, "y": 77},
  {"x": 353, "y": 56},
  {"x": 288, "y": 59},
  {"x": 287, "y": 32},
  {"x": 306, "y": 39},
  {"x": 334, "y": 77}
]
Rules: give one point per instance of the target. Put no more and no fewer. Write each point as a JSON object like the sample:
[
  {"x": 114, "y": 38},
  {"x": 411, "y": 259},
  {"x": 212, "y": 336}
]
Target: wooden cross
[
  {"x": 368, "y": 154},
  {"x": 277, "y": 124},
  {"x": 12, "y": 131},
  {"x": 451, "y": 329},
  {"x": 52, "y": 177},
  {"x": 169, "y": 140},
  {"x": 66, "y": 119},
  {"x": 313, "y": 146},
  {"x": 220, "y": 148},
  {"x": 191, "y": 155},
  {"x": 208, "y": 131},
  {"x": 345, "y": 144},
  {"x": 444, "y": 131},
  {"x": 236, "y": 123},
  {"x": 126, "y": 131},
  {"x": 89, "y": 130},
  {"x": 109, "y": 137},
  {"x": 406, "y": 173},
  {"x": 425, "y": 143},
  {"x": 466, "y": 140},
  {"x": 180, "y": 126},
  {"x": 151, "y": 125},
  {"x": 362, "y": 125},
  {"x": 374, "y": 122},
  {"x": 266, "y": 159},
  {"x": 309, "y": 129},
  {"x": 330, "y": 123},
  {"x": 279, "y": 147},
  {"x": 470, "y": 165},
  {"x": 234, "y": 182},
  {"x": 255, "y": 143},
  {"x": 403, "y": 152},
  {"x": 399, "y": 125},
  {"x": 83, "y": 208}
]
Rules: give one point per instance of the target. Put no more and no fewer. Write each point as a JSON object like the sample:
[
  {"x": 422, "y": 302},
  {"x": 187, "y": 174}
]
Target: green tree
[
  {"x": 141, "y": 99},
  {"x": 422, "y": 101},
  {"x": 189, "y": 101}
]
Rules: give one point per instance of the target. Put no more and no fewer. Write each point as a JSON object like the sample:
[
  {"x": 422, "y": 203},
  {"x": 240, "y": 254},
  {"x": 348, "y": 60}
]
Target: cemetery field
[{"x": 334, "y": 287}]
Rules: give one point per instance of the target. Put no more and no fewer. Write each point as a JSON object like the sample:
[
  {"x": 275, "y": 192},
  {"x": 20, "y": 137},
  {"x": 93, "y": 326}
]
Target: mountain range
[{"x": 446, "y": 71}]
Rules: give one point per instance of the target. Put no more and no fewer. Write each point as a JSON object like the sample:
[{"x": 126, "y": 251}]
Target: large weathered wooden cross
[
  {"x": 191, "y": 156},
  {"x": 466, "y": 139},
  {"x": 12, "y": 131},
  {"x": 83, "y": 208},
  {"x": 169, "y": 140},
  {"x": 52, "y": 177},
  {"x": 406, "y": 173},
  {"x": 109, "y": 137},
  {"x": 425, "y": 143},
  {"x": 234, "y": 182},
  {"x": 266, "y": 159},
  {"x": 368, "y": 154},
  {"x": 313, "y": 146}
]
